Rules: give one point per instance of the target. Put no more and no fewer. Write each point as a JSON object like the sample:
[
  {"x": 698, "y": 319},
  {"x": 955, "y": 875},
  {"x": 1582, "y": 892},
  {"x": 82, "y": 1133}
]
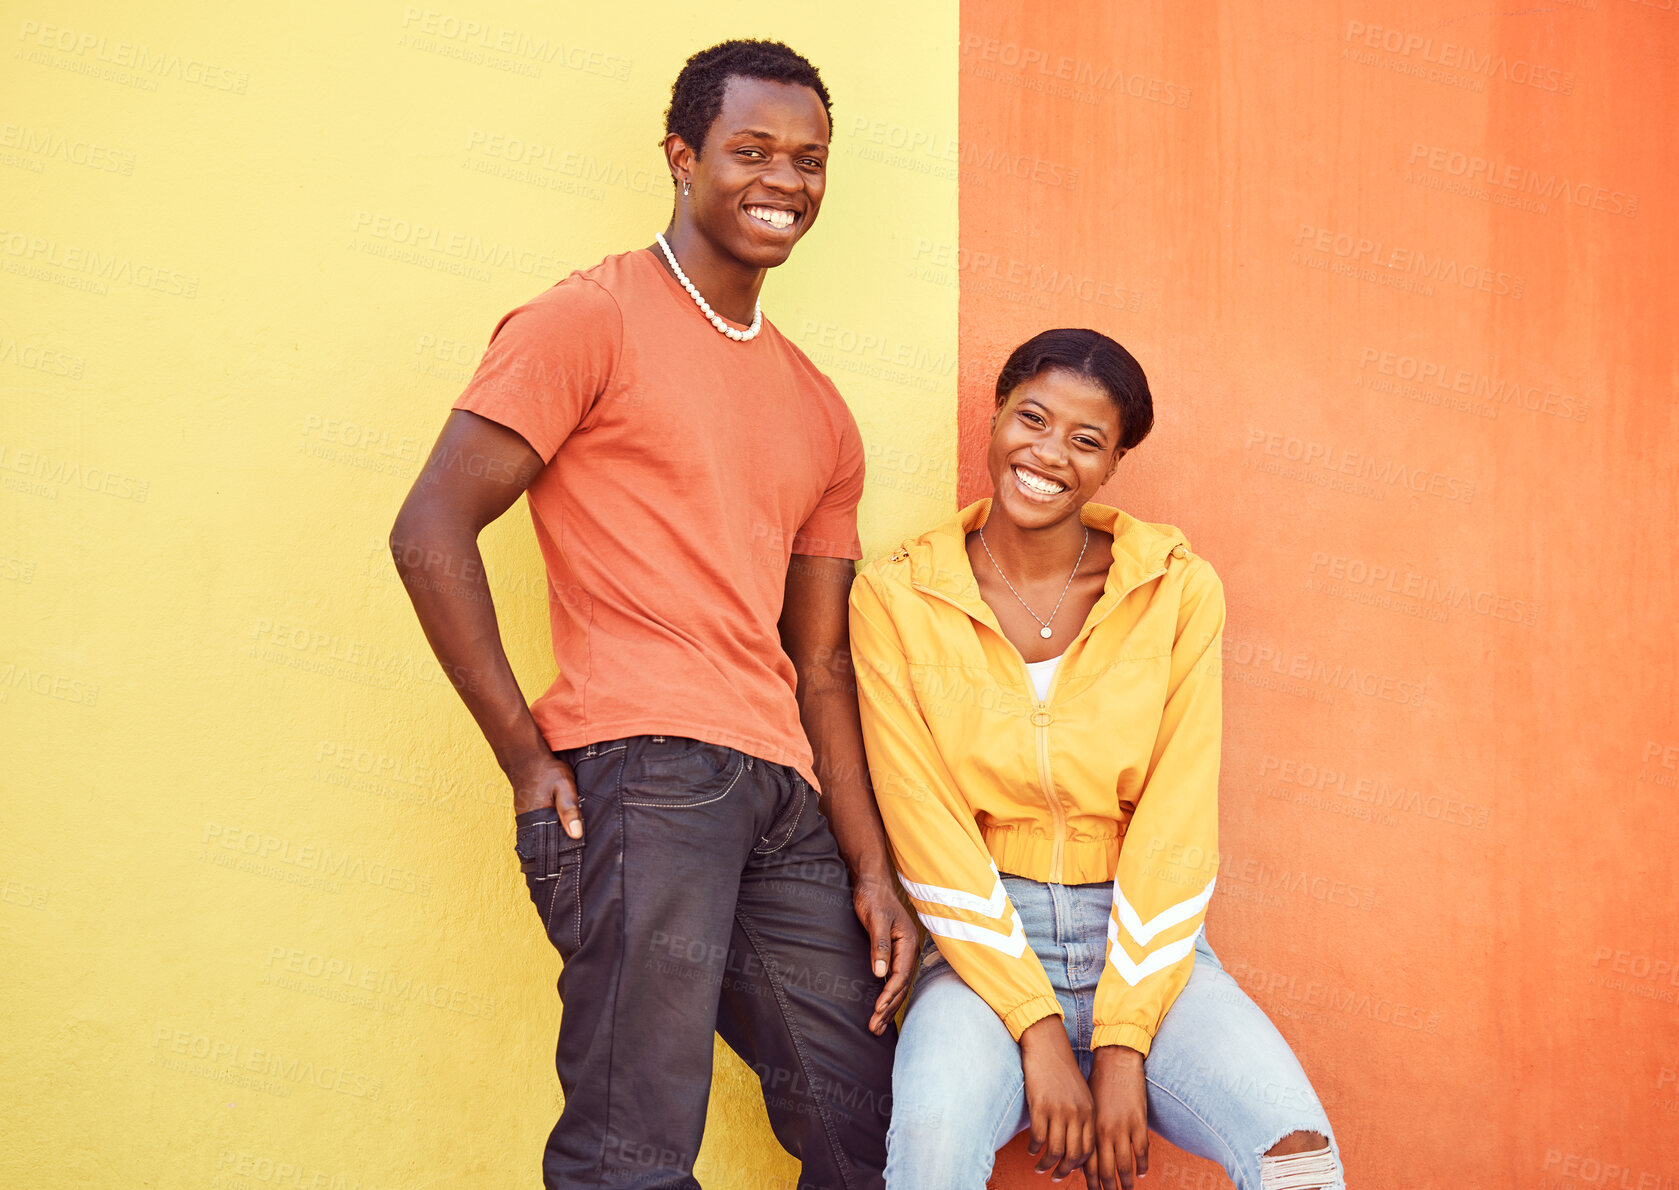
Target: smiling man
[{"x": 694, "y": 481}]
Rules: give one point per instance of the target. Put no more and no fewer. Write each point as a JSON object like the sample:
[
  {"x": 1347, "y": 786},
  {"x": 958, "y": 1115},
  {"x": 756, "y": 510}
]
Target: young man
[{"x": 694, "y": 481}]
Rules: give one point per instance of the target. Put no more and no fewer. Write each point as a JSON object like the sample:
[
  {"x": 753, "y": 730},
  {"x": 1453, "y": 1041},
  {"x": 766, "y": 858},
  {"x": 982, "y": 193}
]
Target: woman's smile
[{"x": 1035, "y": 483}]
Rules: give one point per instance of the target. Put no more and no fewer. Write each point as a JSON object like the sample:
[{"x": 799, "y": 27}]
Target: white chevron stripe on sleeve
[
  {"x": 1134, "y": 973},
  {"x": 1143, "y": 931},
  {"x": 955, "y": 898},
  {"x": 1012, "y": 944}
]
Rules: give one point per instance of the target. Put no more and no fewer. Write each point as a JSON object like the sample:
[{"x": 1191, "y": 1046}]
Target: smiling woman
[{"x": 1062, "y": 875}]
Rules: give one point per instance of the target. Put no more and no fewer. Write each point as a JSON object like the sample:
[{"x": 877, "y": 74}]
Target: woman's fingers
[
  {"x": 1079, "y": 1142},
  {"x": 1122, "y": 1162},
  {"x": 1055, "y": 1142},
  {"x": 1101, "y": 1171}
]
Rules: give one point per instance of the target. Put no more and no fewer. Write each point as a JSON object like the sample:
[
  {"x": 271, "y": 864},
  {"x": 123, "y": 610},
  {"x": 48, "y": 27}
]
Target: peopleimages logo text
[{"x": 1448, "y": 55}]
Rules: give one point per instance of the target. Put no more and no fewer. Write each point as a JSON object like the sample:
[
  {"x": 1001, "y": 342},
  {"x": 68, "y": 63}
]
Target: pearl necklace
[
  {"x": 745, "y": 336},
  {"x": 1045, "y": 632}
]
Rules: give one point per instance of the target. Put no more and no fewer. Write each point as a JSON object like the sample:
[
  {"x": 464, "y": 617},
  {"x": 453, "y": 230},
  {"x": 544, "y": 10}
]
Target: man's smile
[{"x": 776, "y": 217}]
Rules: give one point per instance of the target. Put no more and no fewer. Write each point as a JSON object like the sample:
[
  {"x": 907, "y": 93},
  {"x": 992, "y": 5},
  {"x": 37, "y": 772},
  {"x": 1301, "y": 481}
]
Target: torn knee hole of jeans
[{"x": 1314, "y": 1170}]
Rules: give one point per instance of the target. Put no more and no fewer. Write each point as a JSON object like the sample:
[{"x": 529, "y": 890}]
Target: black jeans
[{"x": 706, "y": 894}]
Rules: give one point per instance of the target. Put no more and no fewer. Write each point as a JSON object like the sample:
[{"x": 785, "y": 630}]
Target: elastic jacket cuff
[
  {"x": 1135, "y": 1036},
  {"x": 1023, "y": 1016}
]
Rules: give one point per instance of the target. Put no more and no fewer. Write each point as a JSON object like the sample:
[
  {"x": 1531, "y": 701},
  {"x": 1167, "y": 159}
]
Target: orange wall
[{"x": 1424, "y": 425}]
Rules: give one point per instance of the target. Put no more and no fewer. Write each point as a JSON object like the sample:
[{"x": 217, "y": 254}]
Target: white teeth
[
  {"x": 1037, "y": 484},
  {"x": 781, "y": 220}
]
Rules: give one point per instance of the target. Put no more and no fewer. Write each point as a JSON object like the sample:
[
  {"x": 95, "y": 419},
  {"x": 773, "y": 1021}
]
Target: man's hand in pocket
[{"x": 547, "y": 781}]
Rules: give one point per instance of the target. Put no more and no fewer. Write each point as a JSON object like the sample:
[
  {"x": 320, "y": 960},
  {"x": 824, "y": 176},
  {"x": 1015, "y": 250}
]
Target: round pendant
[{"x": 1046, "y": 633}]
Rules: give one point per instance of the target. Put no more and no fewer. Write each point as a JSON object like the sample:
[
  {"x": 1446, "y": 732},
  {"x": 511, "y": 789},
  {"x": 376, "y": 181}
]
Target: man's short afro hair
[{"x": 697, "y": 95}]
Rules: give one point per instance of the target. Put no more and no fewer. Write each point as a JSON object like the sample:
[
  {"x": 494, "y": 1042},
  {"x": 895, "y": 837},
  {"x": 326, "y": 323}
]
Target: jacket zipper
[
  {"x": 1041, "y": 716},
  {"x": 1041, "y": 721}
]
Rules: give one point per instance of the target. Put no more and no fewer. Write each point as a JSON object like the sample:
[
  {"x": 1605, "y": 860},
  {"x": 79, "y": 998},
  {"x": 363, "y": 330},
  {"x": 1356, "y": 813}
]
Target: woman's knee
[
  {"x": 1298, "y": 1142},
  {"x": 1299, "y": 1161},
  {"x": 933, "y": 1145}
]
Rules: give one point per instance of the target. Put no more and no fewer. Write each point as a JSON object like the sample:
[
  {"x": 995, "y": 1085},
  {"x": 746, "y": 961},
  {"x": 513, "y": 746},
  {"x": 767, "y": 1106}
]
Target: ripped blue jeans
[{"x": 1221, "y": 1081}]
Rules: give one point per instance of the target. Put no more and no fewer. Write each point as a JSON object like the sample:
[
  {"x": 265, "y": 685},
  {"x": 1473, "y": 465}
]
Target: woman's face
[{"x": 1053, "y": 444}]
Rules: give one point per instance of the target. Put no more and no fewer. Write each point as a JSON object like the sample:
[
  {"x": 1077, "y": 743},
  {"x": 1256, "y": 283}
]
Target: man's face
[{"x": 758, "y": 182}]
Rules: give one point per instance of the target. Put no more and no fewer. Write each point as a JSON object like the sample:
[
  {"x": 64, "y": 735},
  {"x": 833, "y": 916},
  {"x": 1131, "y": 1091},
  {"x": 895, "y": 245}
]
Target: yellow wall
[{"x": 262, "y": 920}]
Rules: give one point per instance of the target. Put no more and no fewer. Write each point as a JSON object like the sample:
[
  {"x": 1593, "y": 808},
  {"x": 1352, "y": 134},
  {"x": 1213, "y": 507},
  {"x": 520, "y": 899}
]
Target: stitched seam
[
  {"x": 740, "y": 763},
  {"x": 792, "y": 823},
  {"x": 1013, "y": 1106},
  {"x": 822, "y": 1112},
  {"x": 1096, "y": 956},
  {"x": 1217, "y": 1135},
  {"x": 617, "y": 983},
  {"x": 544, "y": 846},
  {"x": 589, "y": 752}
]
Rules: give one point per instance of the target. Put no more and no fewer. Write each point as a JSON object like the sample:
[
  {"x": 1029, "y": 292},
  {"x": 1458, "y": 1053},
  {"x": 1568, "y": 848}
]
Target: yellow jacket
[{"x": 1113, "y": 777}]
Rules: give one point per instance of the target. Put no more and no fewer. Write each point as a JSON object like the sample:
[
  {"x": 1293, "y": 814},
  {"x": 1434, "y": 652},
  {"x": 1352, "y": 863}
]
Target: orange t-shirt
[{"x": 683, "y": 471}]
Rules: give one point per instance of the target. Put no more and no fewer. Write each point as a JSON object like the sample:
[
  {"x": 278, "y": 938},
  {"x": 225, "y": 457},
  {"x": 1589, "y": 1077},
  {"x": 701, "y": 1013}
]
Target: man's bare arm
[
  {"x": 815, "y": 633},
  {"x": 476, "y": 471}
]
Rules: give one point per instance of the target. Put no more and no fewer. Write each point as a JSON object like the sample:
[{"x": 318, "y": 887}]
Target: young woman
[{"x": 1039, "y": 682}]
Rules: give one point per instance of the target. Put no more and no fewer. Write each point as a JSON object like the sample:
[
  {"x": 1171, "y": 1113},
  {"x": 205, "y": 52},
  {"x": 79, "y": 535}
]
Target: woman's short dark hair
[
  {"x": 1098, "y": 359},
  {"x": 697, "y": 95}
]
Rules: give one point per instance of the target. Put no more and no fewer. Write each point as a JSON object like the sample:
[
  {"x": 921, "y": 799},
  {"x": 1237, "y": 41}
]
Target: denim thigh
[
  {"x": 642, "y": 921},
  {"x": 706, "y": 894},
  {"x": 1222, "y": 1083},
  {"x": 958, "y": 1092}
]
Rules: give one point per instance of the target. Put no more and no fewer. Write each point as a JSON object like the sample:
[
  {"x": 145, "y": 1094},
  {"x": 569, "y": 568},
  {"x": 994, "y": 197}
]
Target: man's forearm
[
  {"x": 444, "y": 575},
  {"x": 832, "y": 724}
]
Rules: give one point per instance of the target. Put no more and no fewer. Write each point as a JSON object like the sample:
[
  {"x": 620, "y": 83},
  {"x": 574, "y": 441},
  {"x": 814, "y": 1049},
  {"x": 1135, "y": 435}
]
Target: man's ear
[{"x": 678, "y": 156}]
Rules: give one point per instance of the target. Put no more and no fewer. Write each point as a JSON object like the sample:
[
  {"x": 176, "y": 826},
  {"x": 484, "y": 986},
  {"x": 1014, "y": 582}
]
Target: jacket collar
[{"x": 939, "y": 557}]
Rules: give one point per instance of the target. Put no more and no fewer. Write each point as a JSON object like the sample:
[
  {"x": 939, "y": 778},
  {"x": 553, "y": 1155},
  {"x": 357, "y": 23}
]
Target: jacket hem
[
  {"x": 1022, "y": 854},
  {"x": 1023, "y": 1016},
  {"x": 1135, "y": 1036}
]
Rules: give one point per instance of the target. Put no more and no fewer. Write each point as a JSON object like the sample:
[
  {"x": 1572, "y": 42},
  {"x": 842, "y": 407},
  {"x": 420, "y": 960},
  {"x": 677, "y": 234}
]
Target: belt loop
[{"x": 749, "y": 762}]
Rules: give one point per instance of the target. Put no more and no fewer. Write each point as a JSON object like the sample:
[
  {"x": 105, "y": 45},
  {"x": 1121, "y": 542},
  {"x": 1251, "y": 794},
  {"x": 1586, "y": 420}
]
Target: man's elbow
[
  {"x": 416, "y": 535},
  {"x": 404, "y": 543}
]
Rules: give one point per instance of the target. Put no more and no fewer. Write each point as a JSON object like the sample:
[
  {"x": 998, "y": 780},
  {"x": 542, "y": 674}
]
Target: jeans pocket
[
  {"x": 666, "y": 772},
  {"x": 787, "y": 819},
  {"x": 552, "y": 862}
]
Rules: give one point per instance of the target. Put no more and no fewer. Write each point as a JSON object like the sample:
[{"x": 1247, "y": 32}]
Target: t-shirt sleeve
[
  {"x": 831, "y": 530},
  {"x": 547, "y": 364}
]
